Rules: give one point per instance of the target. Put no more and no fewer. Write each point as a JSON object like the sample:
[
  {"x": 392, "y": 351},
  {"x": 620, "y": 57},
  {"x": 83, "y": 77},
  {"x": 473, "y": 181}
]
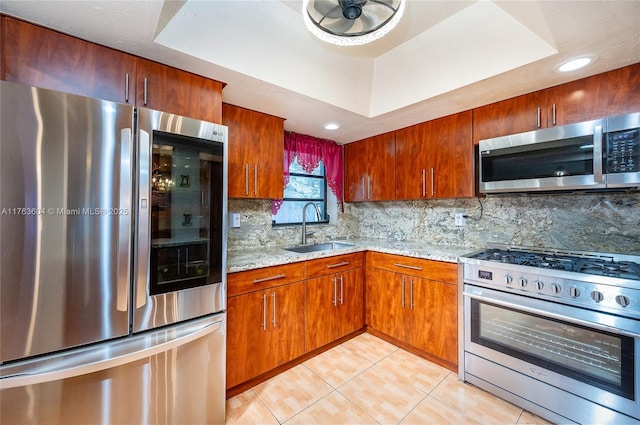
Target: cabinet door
[
  {"x": 451, "y": 157},
  {"x": 581, "y": 100},
  {"x": 44, "y": 58},
  {"x": 370, "y": 169},
  {"x": 434, "y": 318},
  {"x": 322, "y": 306},
  {"x": 247, "y": 337},
  {"x": 355, "y": 171},
  {"x": 168, "y": 89},
  {"x": 386, "y": 299},
  {"x": 286, "y": 320},
  {"x": 413, "y": 169},
  {"x": 256, "y": 153},
  {"x": 515, "y": 115},
  {"x": 623, "y": 86},
  {"x": 351, "y": 302}
]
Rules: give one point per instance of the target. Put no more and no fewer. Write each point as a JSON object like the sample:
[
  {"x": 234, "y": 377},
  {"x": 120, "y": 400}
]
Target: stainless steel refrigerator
[{"x": 113, "y": 254}]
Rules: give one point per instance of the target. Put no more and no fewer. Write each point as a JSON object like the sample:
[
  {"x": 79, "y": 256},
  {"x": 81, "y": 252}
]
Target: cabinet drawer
[
  {"x": 428, "y": 269},
  {"x": 263, "y": 278},
  {"x": 330, "y": 265}
]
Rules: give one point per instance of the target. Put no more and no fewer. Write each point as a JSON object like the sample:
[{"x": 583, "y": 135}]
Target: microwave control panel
[{"x": 623, "y": 151}]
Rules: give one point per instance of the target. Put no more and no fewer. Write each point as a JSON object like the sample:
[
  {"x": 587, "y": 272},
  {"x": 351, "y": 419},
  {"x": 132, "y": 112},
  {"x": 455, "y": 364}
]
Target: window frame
[{"x": 326, "y": 219}]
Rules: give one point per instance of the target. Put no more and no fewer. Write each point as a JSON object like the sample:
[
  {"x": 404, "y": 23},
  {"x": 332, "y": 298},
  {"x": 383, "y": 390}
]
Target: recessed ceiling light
[
  {"x": 331, "y": 126},
  {"x": 575, "y": 64}
]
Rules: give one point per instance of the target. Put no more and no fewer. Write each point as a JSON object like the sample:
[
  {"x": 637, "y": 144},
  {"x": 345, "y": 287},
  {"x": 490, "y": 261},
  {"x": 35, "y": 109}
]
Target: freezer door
[
  {"x": 175, "y": 375},
  {"x": 65, "y": 202}
]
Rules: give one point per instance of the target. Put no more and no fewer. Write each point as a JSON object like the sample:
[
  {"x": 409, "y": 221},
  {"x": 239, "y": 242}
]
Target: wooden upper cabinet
[
  {"x": 168, "y": 89},
  {"x": 45, "y": 58},
  {"x": 511, "y": 116},
  {"x": 256, "y": 153},
  {"x": 598, "y": 96},
  {"x": 48, "y": 59},
  {"x": 435, "y": 159},
  {"x": 369, "y": 169}
]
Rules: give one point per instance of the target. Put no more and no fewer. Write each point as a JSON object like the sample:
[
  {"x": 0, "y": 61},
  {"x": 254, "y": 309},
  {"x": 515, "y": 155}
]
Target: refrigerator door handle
[
  {"x": 144, "y": 230},
  {"x": 108, "y": 355},
  {"x": 124, "y": 221}
]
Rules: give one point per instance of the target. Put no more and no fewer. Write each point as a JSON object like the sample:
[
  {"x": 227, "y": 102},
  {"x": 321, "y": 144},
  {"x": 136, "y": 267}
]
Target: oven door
[{"x": 588, "y": 354}]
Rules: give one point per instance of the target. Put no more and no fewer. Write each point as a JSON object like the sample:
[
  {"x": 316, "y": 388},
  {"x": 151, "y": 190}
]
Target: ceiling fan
[{"x": 351, "y": 22}]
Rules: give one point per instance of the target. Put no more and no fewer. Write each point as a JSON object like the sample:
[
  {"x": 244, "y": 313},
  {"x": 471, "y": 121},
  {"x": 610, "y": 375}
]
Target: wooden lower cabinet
[
  {"x": 265, "y": 329},
  {"x": 403, "y": 303},
  {"x": 335, "y": 306}
]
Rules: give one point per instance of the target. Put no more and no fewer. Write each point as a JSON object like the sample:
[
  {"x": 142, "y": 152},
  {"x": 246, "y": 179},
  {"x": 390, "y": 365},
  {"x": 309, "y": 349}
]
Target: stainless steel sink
[{"x": 303, "y": 249}]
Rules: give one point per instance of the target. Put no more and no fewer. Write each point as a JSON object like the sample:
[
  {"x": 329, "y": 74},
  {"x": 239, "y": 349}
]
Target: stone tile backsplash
[{"x": 607, "y": 222}]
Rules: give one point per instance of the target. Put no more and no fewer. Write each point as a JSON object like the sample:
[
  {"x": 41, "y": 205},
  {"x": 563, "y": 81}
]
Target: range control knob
[
  {"x": 538, "y": 284},
  {"x": 508, "y": 279},
  {"x": 522, "y": 282},
  {"x": 622, "y": 300},
  {"x": 574, "y": 292},
  {"x": 597, "y": 296},
  {"x": 556, "y": 289}
]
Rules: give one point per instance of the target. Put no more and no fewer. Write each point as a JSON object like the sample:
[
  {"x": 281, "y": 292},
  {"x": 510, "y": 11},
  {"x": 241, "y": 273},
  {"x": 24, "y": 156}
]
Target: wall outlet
[
  {"x": 460, "y": 219},
  {"x": 235, "y": 220}
]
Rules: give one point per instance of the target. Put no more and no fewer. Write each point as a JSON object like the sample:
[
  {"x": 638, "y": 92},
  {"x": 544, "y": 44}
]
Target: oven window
[{"x": 598, "y": 358}]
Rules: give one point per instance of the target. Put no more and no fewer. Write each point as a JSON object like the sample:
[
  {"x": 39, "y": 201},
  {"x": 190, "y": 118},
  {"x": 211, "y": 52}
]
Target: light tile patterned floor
[{"x": 368, "y": 381}]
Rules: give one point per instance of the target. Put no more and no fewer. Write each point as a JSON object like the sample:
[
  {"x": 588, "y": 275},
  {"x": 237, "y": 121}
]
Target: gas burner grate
[{"x": 562, "y": 261}]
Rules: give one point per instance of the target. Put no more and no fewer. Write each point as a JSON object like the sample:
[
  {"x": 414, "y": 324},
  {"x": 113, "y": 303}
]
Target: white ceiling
[{"x": 444, "y": 56}]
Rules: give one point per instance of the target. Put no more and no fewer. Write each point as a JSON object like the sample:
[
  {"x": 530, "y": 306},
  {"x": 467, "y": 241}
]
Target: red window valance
[{"x": 310, "y": 151}]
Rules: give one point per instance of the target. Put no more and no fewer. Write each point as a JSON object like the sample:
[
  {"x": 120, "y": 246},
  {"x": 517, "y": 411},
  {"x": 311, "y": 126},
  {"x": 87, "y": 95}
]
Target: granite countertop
[{"x": 242, "y": 260}]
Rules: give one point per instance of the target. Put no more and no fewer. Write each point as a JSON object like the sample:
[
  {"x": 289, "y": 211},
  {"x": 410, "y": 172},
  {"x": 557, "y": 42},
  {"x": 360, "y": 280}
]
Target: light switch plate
[
  {"x": 235, "y": 220},
  {"x": 460, "y": 220}
]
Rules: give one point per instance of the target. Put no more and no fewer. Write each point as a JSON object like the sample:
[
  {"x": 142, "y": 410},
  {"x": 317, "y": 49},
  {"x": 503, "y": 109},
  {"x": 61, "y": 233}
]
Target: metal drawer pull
[
  {"x": 335, "y": 292},
  {"x": 403, "y": 303},
  {"x": 266, "y": 279},
  {"x": 406, "y": 266},
  {"x": 341, "y": 289},
  {"x": 411, "y": 305},
  {"x": 331, "y": 266}
]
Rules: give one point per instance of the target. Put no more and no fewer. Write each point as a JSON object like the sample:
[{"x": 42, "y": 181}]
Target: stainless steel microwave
[{"x": 597, "y": 154}]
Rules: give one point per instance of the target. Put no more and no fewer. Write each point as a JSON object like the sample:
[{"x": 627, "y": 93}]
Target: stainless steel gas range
[{"x": 555, "y": 332}]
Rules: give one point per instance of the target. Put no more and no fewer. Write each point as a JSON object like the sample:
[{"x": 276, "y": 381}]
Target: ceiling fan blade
[
  {"x": 367, "y": 22},
  {"x": 327, "y": 8},
  {"x": 388, "y": 3},
  {"x": 342, "y": 26}
]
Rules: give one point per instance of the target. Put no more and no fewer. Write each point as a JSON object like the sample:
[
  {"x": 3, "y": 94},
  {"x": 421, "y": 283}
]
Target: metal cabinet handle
[
  {"x": 145, "y": 92},
  {"x": 538, "y": 117},
  {"x": 403, "y": 303},
  {"x": 266, "y": 279},
  {"x": 411, "y": 305},
  {"x": 273, "y": 295},
  {"x": 341, "y": 289},
  {"x": 368, "y": 187},
  {"x": 597, "y": 154},
  {"x": 264, "y": 312},
  {"x": 255, "y": 179},
  {"x": 331, "y": 266},
  {"x": 335, "y": 291},
  {"x": 126, "y": 87},
  {"x": 406, "y": 266},
  {"x": 424, "y": 182},
  {"x": 246, "y": 179},
  {"x": 364, "y": 189},
  {"x": 433, "y": 182},
  {"x": 553, "y": 113}
]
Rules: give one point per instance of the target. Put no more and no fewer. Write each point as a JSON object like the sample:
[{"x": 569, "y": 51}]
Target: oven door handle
[{"x": 552, "y": 315}]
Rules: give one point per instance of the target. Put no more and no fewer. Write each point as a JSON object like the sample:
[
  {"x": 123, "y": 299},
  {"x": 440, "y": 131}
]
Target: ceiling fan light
[{"x": 357, "y": 39}]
